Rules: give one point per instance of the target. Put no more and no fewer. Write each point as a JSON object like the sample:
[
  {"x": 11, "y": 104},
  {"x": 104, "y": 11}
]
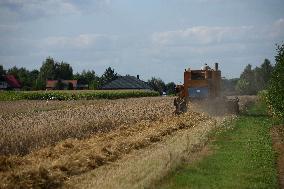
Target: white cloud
[
  {"x": 32, "y": 9},
  {"x": 277, "y": 29},
  {"x": 201, "y": 35},
  {"x": 39, "y": 7},
  {"x": 82, "y": 41},
  {"x": 206, "y": 36}
]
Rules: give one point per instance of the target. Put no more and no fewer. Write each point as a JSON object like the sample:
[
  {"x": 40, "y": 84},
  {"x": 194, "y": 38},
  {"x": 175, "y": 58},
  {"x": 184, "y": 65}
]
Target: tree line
[
  {"x": 251, "y": 81},
  {"x": 54, "y": 70}
]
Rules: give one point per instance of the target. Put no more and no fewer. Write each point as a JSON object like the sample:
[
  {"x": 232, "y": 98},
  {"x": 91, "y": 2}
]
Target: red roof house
[{"x": 12, "y": 82}]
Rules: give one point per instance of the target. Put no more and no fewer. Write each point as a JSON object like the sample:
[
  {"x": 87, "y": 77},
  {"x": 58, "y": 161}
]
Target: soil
[{"x": 277, "y": 134}]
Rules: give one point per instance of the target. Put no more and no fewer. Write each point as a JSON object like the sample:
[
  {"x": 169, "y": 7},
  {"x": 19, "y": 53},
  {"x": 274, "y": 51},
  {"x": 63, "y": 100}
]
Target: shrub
[{"x": 275, "y": 96}]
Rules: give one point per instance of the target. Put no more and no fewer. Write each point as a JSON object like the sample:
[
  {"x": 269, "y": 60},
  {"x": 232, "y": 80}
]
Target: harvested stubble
[{"x": 50, "y": 167}]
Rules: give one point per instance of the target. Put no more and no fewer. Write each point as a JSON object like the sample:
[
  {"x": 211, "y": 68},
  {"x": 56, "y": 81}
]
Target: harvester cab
[{"x": 203, "y": 85}]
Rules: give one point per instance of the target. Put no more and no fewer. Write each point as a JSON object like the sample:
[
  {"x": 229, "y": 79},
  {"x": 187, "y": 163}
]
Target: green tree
[
  {"x": 33, "y": 77},
  {"x": 48, "y": 69},
  {"x": 108, "y": 76},
  {"x": 157, "y": 84},
  {"x": 228, "y": 86},
  {"x": 170, "y": 88},
  {"x": 88, "y": 77},
  {"x": 2, "y": 71},
  {"x": 63, "y": 70},
  {"x": 262, "y": 75},
  {"x": 246, "y": 84},
  {"x": 242, "y": 86},
  {"x": 276, "y": 87}
]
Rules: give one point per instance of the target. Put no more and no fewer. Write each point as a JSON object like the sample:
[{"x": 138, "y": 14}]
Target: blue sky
[{"x": 151, "y": 37}]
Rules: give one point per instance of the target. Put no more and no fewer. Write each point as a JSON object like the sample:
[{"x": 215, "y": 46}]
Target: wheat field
[{"x": 44, "y": 144}]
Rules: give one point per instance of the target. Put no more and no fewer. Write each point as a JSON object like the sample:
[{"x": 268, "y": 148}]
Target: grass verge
[{"x": 243, "y": 158}]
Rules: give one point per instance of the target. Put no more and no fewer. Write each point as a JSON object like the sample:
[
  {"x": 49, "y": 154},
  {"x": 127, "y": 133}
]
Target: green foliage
[
  {"x": 246, "y": 83},
  {"x": 63, "y": 70},
  {"x": 88, "y": 77},
  {"x": 157, "y": 84},
  {"x": 2, "y": 71},
  {"x": 108, "y": 76},
  {"x": 275, "y": 96},
  {"x": 170, "y": 88},
  {"x": 47, "y": 70},
  {"x": 26, "y": 78},
  {"x": 53, "y": 70},
  {"x": 242, "y": 86},
  {"x": 93, "y": 85},
  {"x": 254, "y": 80},
  {"x": 228, "y": 86},
  {"x": 73, "y": 95}
]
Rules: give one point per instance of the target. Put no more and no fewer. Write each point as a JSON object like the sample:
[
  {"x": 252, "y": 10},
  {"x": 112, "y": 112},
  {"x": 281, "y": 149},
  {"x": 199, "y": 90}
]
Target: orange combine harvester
[{"x": 204, "y": 85}]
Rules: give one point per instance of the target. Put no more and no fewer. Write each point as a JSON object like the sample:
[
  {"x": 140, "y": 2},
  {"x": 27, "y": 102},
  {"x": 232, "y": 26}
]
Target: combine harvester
[{"x": 204, "y": 86}]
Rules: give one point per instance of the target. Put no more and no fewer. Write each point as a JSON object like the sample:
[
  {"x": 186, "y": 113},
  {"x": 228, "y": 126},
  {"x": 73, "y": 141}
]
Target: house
[
  {"x": 126, "y": 82},
  {"x": 53, "y": 84},
  {"x": 9, "y": 82}
]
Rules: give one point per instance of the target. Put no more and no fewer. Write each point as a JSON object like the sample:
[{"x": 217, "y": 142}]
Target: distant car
[{"x": 164, "y": 94}]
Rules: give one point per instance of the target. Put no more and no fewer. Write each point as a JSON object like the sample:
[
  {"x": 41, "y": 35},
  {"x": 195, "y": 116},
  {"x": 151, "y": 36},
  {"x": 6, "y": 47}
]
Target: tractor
[{"x": 204, "y": 86}]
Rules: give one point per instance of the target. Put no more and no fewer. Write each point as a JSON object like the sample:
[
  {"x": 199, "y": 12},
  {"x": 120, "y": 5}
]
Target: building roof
[
  {"x": 52, "y": 83},
  {"x": 12, "y": 81},
  {"x": 126, "y": 82}
]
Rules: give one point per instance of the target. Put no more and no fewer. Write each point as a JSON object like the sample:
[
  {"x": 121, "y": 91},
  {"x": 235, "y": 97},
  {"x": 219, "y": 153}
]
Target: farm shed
[
  {"x": 127, "y": 82},
  {"x": 9, "y": 82}
]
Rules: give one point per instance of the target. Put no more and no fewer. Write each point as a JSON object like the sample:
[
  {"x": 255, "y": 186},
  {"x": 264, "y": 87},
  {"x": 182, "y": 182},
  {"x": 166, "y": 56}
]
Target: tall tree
[
  {"x": 170, "y": 88},
  {"x": 228, "y": 86},
  {"x": 246, "y": 84},
  {"x": 48, "y": 69},
  {"x": 157, "y": 84},
  {"x": 88, "y": 77},
  {"x": 276, "y": 88},
  {"x": 266, "y": 71},
  {"x": 2, "y": 71},
  {"x": 108, "y": 76},
  {"x": 63, "y": 70}
]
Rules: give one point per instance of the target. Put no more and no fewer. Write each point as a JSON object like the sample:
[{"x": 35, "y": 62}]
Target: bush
[
  {"x": 275, "y": 96},
  {"x": 73, "y": 95}
]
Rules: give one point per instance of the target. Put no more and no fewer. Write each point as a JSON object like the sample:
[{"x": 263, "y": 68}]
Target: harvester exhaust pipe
[{"x": 216, "y": 66}]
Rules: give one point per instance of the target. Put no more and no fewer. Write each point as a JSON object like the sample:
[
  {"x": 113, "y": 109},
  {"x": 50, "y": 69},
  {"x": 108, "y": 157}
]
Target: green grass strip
[
  {"x": 74, "y": 95},
  {"x": 243, "y": 158}
]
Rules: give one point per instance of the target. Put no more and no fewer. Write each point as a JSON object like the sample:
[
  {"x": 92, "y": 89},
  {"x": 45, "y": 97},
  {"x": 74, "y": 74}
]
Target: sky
[{"x": 150, "y": 38}]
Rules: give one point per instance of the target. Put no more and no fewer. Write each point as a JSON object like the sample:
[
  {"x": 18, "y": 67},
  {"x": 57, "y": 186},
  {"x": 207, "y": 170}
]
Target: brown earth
[{"x": 277, "y": 133}]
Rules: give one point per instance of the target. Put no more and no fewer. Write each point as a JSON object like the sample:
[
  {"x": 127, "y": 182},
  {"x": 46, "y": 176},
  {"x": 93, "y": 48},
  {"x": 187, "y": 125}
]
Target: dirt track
[{"x": 277, "y": 133}]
